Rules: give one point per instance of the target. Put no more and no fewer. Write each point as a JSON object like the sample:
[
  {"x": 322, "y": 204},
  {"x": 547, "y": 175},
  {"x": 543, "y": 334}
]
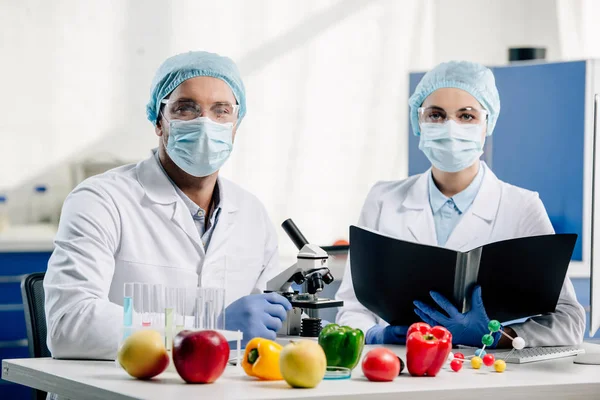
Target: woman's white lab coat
[
  {"x": 129, "y": 225},
  {"x": 500, "y": 211}
]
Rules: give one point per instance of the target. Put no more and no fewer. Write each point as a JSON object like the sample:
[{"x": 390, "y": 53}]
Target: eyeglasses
[
  {"x": 466, "y": 115},
  {"x": 187, "y": 110}
]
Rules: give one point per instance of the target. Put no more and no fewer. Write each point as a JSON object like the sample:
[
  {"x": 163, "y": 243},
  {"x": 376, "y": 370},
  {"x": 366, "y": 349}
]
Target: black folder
[{"x": 518, "y": 277}]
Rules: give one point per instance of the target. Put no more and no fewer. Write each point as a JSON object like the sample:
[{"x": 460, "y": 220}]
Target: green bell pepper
[{"x": 343, "y": 345}]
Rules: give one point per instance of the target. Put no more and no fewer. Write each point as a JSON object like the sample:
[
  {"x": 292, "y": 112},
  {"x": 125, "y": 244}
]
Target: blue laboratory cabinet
[{"x": 13, "y": 335}]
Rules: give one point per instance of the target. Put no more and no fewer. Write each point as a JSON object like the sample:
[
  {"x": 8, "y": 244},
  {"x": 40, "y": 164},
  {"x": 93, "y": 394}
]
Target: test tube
[
  {"x": 210, "y": 308},
  {"x": 219, "y": 308},
  {"x": 146, "y": 304},
  {"x": 199, "y": 310},
  {"x": 180, "y": 310},
  {"x": 138, "y": 303},
  {"x": 128, "y": 305},
  {"x": 170, "y": 306},
  {"x": 158, "y": 307}
]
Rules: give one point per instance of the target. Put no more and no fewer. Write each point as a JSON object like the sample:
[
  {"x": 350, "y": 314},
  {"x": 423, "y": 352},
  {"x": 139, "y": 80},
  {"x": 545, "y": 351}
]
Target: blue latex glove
[
  {"x": 468, "y": 328},
  {"x": 257, "y": 315},
  {"x": 386, "y": 335}
]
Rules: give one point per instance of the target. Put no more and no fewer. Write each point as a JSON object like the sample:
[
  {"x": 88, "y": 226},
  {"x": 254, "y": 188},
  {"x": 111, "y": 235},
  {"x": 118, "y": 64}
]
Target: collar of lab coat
[
  {"x": 484, "y": 206},
  {"x": 159, "y": 189},
  {"x": 475, "y": 225}
]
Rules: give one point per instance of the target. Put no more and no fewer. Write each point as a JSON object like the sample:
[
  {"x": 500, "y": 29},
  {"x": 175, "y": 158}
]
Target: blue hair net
[
  {"x": 471, "y": 77},
  {"x": 185, "y": 66}
]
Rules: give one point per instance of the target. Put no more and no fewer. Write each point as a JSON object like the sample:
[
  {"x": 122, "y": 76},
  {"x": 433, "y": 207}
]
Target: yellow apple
[
  {"x": 143, "y": 354},
  {"x": 303, "y": 364}
]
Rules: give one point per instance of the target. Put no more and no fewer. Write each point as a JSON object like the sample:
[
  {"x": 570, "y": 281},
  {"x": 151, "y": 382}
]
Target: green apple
[{"x": 303, "y": 364}]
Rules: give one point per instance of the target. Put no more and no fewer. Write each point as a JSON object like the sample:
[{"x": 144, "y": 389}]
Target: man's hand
[{"x": 257, "y": 315}]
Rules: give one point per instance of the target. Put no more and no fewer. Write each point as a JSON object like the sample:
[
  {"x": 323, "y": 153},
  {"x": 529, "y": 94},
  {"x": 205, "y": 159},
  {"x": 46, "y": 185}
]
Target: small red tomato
[
  {"x": 456, "y": 365},
  {"x": 488, "y": 360},
  {"x": 459, "y": 355},
  {"x": 381, "y": 365}
]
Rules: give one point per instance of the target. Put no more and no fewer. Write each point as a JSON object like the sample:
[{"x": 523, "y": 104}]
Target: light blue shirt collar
[
  {"x": 195, "y": 210},
  {"x": 462, "y": 200}
]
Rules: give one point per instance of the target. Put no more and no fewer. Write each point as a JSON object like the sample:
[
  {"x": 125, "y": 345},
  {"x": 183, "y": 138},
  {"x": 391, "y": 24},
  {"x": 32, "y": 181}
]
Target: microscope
[{"x": 312, "y": 273}]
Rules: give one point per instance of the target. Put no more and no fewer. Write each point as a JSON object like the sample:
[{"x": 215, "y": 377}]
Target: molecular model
[{"x": 481, "y": 357}]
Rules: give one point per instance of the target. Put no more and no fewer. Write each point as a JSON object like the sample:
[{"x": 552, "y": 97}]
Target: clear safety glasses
[
  {"x": 466, "y": 115},
  {"x": 187, "y": 110}
]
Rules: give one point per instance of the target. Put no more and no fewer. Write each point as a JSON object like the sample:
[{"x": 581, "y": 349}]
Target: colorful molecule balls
[
  {"x": 487, "y": 340},
  {"x": 456, "y": 365},
  {"x": 476, "y": 362},
  {"x": 518, "y": 343},
  {"x": 459, "y": 355},
  {"x": 499, "y": 365},
  {"x": 488, "y": 360},
  {"x": 480, "y": 352},
  {"x": 494, "y": 326}
]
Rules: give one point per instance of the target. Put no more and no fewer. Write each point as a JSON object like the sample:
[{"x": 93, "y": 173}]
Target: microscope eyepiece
[{"x": 294, "y": 233}]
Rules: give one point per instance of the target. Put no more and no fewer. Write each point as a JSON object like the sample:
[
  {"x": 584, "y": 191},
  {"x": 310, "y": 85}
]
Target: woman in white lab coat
[{"x": 459, "y": 204}]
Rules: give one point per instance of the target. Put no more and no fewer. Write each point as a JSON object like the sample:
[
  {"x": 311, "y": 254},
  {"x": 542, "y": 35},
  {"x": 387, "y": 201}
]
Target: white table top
[{"x": 559, "y": 378}]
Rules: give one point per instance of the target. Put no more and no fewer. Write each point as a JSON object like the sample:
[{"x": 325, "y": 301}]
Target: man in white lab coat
[
  {"x": 169, "y": 219},
  {"x": 459, "y": 204}
]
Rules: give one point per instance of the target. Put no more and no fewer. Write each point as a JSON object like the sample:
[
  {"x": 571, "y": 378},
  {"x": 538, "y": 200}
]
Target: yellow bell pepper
[{"x": 261, "y": 359}]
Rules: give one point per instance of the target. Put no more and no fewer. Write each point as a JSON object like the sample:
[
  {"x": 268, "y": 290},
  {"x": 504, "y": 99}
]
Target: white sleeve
[
  {"x": 566, "y": 325},
  {"x": 82, "y": 322},
  {"x": 271, "y": 265},
  {"x": 353, "y": 313}
]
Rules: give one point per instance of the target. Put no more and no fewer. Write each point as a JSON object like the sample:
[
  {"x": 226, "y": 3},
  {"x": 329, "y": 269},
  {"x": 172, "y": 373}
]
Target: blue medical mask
[
  {"x": 451, "y": 147},
  {"x": 200, "y": 146}
]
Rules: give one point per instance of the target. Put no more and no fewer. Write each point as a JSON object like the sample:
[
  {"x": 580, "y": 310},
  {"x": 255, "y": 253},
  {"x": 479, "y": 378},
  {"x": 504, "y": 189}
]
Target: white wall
[
  {"x": 326, "y": 84},
  {"x": 76, "y": 78},
  {"x": 483, "y": 30},
  {"x": 74, "y": 86}
]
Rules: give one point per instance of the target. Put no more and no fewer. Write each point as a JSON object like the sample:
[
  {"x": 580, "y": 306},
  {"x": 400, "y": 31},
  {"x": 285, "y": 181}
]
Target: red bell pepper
[{"x": 427, "y": 349}]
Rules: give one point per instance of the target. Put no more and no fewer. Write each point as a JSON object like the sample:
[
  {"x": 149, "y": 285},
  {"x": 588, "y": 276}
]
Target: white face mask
[{"x": 451, "y": 147}]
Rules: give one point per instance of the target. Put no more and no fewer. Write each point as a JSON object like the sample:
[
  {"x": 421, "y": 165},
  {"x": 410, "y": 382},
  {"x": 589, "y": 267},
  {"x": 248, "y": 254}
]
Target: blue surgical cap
[
  {"x": 185, "y": 66},
  {"x": 471, "y": 77}
]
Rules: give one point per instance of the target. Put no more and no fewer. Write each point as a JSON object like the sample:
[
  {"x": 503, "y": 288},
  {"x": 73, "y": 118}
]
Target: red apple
[{"x": 200, "y": 356}]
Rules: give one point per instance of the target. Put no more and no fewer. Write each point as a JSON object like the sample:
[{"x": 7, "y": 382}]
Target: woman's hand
[{"x": 468, "y": 328}]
